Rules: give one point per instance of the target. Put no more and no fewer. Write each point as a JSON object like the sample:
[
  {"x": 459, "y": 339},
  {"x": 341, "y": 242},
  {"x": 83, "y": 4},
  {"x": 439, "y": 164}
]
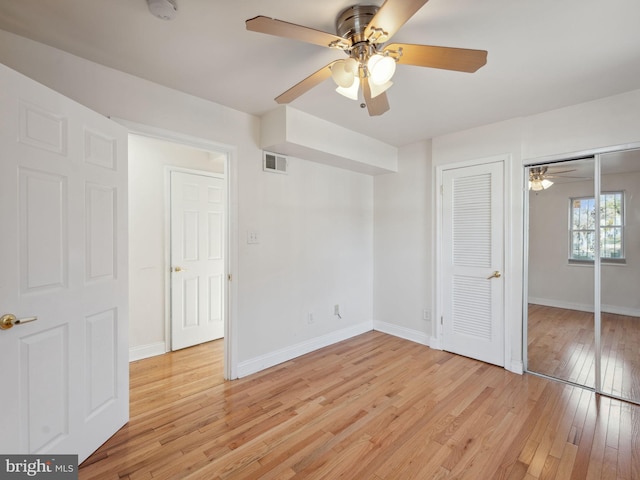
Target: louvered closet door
[{"x": 472, "y": 261}]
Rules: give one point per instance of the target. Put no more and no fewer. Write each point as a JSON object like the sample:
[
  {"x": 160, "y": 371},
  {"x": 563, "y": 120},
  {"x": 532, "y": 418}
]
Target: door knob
[
  {"x": 495, "y": 274},
  {"x": 9, "y": 320},
  {"x": 178, "y": 269}
]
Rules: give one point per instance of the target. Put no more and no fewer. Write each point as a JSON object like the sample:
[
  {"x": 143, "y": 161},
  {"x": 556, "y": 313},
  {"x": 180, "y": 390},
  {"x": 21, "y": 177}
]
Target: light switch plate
[{"x": 253, "y": 237}]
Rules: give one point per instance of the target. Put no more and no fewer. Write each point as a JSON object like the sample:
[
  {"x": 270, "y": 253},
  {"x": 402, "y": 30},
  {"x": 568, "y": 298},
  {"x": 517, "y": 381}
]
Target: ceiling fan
[
  {"x": 539, "y": 177},
  {"x": 361, "y": 31}
]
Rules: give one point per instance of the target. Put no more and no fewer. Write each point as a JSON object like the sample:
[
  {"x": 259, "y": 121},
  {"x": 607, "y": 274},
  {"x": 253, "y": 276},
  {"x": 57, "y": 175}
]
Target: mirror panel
[
  {"x": 620, "y": 274},
  {"x": 561, "y": 230}
]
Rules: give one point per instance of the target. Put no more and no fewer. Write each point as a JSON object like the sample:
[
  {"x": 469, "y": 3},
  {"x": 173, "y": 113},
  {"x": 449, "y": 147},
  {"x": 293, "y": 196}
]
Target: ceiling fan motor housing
[{"x": 352, "y": 22}]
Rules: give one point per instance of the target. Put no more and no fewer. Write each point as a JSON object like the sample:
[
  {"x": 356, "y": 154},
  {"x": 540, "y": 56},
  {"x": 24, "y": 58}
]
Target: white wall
[
  {"x": 402, "y": 245},
  {"x": 148, "y": 160},
  {"x": 328, "y": 209},
  {"x": 555, "y": 282},
  {"x": 315, "y": 227}
]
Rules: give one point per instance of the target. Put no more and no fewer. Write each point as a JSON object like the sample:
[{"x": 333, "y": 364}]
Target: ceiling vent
[
  {"x": 163, "y": 9},
  {"x": 272, "y": 162}
]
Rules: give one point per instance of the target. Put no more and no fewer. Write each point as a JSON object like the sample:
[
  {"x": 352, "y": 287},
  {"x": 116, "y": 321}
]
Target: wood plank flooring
[
  {"x": 561, "y": 345},
  {"x": 372, "y": 407}
]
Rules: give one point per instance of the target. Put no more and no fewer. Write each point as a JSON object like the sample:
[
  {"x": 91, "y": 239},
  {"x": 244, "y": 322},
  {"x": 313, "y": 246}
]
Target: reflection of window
[{"x": 583, "y": 227}]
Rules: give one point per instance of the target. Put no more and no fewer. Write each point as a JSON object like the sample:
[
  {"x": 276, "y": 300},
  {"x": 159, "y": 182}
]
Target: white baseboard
[
  {"x": 616, "y": 310},
  {"x": 285, "y": 354},
  {"x": 146, "y": 351},
  {"x": 402, "y": 332}
]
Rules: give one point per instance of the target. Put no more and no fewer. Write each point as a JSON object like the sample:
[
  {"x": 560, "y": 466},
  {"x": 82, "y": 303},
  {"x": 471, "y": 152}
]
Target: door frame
[
  {"x": 510, "y": 363},
  {"x": 231, "y": 252}
]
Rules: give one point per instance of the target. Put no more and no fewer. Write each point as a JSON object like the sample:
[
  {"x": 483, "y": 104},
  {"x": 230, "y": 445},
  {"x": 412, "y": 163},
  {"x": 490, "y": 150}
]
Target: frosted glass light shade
[
  {"x": 341, "y": 75},
  {"x": 381, "y": 68},
  {"x": 352, "y": 91},
  {"x": 537, "y": 185},
  {"x": 351, "y": 65}
]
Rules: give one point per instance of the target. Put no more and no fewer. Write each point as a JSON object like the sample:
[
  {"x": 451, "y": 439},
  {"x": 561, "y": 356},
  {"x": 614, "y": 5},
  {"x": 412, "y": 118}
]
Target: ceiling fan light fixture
[
  {"x": 351, "y": 91},
  {"x": 381, "y": 68},
  {"x": 361, "y": 32},
  {"x": 342, "y": 74},
  {"x": 539, "y": 184}
]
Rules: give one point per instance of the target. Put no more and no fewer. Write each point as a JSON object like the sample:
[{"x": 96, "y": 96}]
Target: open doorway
[{"x": 153, "y": 160}]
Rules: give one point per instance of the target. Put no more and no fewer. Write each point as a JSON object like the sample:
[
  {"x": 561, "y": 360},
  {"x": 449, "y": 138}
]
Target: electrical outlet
[
  {"x": 336, "y": 311},
  {"x": 310, "y": 318},
  {"x": 426, "y": 315}
]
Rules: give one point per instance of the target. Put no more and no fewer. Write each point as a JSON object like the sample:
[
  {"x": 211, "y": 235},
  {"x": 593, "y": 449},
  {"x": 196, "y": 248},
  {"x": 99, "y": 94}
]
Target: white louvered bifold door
[{"x": 472, "y": 253}]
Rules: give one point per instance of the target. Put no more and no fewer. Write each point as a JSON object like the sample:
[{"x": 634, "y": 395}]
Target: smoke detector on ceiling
[{"x": 164, "y": 9}]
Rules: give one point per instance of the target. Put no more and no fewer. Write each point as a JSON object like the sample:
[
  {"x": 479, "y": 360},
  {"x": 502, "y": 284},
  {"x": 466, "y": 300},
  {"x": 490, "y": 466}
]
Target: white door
[
  {"x": 472, "y": 262},
  {"x": 197, "y": 258},
  {"x": 63, "y": 258}
]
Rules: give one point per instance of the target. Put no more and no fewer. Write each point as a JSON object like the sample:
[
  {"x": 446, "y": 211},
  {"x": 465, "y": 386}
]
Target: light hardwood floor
[
  {"x": 372, "y": 407},
  {"x": 561, "y": 345}
]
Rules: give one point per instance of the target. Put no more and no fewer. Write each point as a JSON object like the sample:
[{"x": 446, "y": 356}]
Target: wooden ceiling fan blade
[
  {"x": 392, "y": 15},
  {"x": 279, "y": 28},
  {"x": 376, "y": 105},
  {"x": 305, "y": 85},
  {"x": 446, "y": 58},
  {"x": 567, "y": 176}
]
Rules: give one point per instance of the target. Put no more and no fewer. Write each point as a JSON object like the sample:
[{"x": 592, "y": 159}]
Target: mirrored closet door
[
  {"x": 561, "y": 299},
  {"x": 620, "y": 274},
  {"x": 583, "y": 272}
]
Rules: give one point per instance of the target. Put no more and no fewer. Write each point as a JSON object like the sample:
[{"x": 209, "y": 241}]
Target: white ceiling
[{"x": 543, "y": 54}]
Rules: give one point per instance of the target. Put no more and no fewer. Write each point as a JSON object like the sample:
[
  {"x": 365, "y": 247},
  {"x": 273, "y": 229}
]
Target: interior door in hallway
[
  {"x": 63, "y": 252},
  {"x": 472, "y": 261},
  {"x": 197, "y": 258}
]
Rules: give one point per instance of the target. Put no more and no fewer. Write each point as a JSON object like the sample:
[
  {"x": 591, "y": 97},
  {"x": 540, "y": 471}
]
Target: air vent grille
[{"x": 275, "y": 163}]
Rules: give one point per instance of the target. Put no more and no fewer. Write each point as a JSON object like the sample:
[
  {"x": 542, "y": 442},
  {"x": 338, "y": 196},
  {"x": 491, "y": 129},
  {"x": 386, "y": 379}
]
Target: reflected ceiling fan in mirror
[
  {"x": 539, "y": 177},
  {"x": 362, "y": 31}
]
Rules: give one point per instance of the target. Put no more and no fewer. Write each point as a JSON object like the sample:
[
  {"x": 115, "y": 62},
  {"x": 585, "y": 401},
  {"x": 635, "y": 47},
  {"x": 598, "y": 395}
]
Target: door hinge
[
  {"x": 229, "y": 277},
  {"x": 441, "y": 320}
]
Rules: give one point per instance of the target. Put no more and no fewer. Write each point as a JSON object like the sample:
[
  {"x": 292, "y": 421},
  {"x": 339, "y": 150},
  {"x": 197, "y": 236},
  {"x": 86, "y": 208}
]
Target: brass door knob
[
  {"x": 495, "y": 274},
  {"x": 178, "y": 269},
  {"x": 9, "y": 320}
]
